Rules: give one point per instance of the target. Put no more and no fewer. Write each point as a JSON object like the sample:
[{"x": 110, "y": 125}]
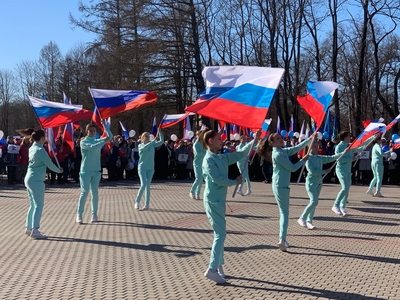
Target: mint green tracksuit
[
  {"x": 90, "y": 173},
  {"x": 199, "y": 154},
  {"x": 34, "y": 183},
  {"x": 282, "y": 169},
  {"x": 314, "y": 181},
  {"x": 241, "y": 166},
  {"x": 146, "y": 167},
  {"x": 215, "y": 172},
  {"x": 343, "y": 171},
  {"x": 377, "y": 166}
]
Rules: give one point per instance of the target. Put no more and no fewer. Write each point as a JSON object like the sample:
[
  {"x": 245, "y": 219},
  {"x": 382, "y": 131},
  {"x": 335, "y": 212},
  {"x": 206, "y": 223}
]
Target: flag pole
[{"x": 308, "y": 152}]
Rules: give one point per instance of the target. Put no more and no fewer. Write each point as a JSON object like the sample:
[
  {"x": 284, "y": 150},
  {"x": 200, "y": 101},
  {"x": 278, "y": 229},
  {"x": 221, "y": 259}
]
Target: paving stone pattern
[{"x": 163, "y": 253}]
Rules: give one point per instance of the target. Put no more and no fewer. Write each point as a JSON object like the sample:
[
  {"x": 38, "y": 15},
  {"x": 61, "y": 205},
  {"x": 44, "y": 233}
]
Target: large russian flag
[
  {"x": 316, "y": 102},
  {"x": 68, "y": 134},
  {"x": 370, "y": 130},
  {"x": 112, "y": 102},
  {"x": 54, "y": 114},
  {"x": 237, "y": 94},
  {"x": 170, "y": 120}
]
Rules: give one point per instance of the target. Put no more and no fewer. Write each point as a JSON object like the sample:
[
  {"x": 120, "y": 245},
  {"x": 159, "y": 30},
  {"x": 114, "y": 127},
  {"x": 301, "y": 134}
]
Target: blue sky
[{"x": 28, "y": 25}]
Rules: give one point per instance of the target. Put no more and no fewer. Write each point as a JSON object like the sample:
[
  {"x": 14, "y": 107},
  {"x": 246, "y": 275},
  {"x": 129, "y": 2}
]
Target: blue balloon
[
  {"x": 395, "y": 136},
  {"x": 325, "y": 135},
  {"x": 290, "y": 133},
  {"x": 251, "y": 134},
  {"x": 283, "y": 133}
]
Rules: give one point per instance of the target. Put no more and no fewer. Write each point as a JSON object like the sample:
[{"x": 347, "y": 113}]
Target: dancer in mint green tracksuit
[
  {"x": 146, "y": 167},
  {"x": 314, "y": 182},
  {"x": 241, "y": 166},
  {"x": 377, "y": 167},
  {"x": 282, "y": 168},
  {"x": 199, "y": 153},
  {"x": 215, "y": 172},
  {"x": 90, "y": 172},
  {"x": 343, "y": 171},
  {"x": 34, "y": 181}
]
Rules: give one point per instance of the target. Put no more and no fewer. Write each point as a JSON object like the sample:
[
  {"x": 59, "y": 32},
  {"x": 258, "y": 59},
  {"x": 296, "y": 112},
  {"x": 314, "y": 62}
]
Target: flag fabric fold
[
  {"x": 54, "y": 114},
  {"x": 369, "y": 131},
  {"x": 316, "y": 101},
  {"x": 396, "y": 144},
  {"x": 186, "y": 128},
  {"x": 112, "y": 102},
  {"x": 170, "y": 120},
  {"x": 237, "y": 94}
]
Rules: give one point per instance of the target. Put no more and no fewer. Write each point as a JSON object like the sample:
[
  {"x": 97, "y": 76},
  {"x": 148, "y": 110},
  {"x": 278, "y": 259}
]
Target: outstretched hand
[
  {"x": 239, "y": 179},
  {"x": 306, "y": 157}
]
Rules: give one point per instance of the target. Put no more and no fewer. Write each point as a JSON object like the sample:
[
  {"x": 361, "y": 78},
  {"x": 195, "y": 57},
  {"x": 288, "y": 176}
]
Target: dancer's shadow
[
  {"x": 289, "y": 289},
  {"x": 375, "y": 210},
  {"x": 356, "y": 220},
  {"x": 152, "y": 247},
  {"x": 383, "y": 203}
]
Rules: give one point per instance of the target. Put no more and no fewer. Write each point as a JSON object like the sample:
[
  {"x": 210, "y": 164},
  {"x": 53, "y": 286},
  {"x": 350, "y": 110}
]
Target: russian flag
[
  {"x": 391, "y": 124},
  {"x": 68, "y": 135},
  {"x": 170, "y": 120},
  {"x": 370, "y": 130},
  {"x": 54, "y": 114},
  {"x": 154, "y": 127},
  {"x": 396, "y": 144},
  {"x": 97, "y": 120},
  {"x": 124, "y": 131},
  {"x": 237, "y": 94},
  {"x": 316, "y": 102},
  {"x": 265, "y": 127},
  {"x": 291, "y": 127},
  {"x": 187, "y": 128},
  {"x": 51, "y": 144},
  {"x": 112, "y": 102}
]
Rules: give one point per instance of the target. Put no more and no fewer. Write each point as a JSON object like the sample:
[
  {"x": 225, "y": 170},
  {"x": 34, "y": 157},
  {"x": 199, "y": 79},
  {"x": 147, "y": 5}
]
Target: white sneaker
[
  {"x": 37, "y": 235},
  {"x": 221, "y": 272},
  {"x": 282, "y": 245},
  {"x": 240, "y": 192},
  {"x": 310, "y": 226},
  {"x": 95, "y": 218},
  {"x": 379, "y": 195},
  {"x": 248, "y": 192},
  {"x": 302, "y": 222},
  {"x": 287, "y": 244},
  {"x": 137, "y": 205},
  {"x": 214, "y": 276},
  {"x": 28, "y": 231},
  {"x": 343, "y": 211},
  {"x": 145, "y": 207},
  {"x": 370, "y": 192},
  {"x": 192, "y": 196},
  {"x": 197, "y": 197},
  {"x": 79, "y": 219},
  {"x": 336, "y": 210}
]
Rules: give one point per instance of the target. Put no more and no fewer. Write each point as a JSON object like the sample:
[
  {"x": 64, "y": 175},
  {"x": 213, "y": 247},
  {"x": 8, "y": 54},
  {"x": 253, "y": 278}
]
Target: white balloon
[
  {"x": 132, "y": 133},
  {"x": 1, "y": 134},
  {"x": 174, "y": 137},
  {"x": 319, "y": 135},
  {"x": 151, "y": 137},
  {"x": 190, "y": 134},
  {"x": 297, "y": 135},
  {"x": 236, "y": 136},
  {"x": 393, "y": 156},
  {"x": 231, "y": 137}
]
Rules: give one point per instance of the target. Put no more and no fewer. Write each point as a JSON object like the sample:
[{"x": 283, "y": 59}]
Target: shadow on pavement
[
  {"x": 349, "y": 219},
  {"x": 294, "y": 289},
  {"x": 151, "y": 247}
]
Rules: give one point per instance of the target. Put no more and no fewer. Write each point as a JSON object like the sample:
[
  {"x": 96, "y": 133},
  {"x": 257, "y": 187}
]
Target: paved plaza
[{"x": 162, "y": 253}]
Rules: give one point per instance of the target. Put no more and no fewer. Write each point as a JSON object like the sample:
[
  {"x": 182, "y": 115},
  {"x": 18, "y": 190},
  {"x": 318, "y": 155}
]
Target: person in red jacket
[
  {"x": 23, "y": 158},
  {"x": 62, "y": 154}
]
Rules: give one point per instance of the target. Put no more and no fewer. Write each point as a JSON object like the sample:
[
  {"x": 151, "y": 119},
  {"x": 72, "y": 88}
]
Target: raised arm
[
  {"x": 292, "y": 150},
  {"x": 158, "y": 143},
  {"x": 287, "y": 164}
]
